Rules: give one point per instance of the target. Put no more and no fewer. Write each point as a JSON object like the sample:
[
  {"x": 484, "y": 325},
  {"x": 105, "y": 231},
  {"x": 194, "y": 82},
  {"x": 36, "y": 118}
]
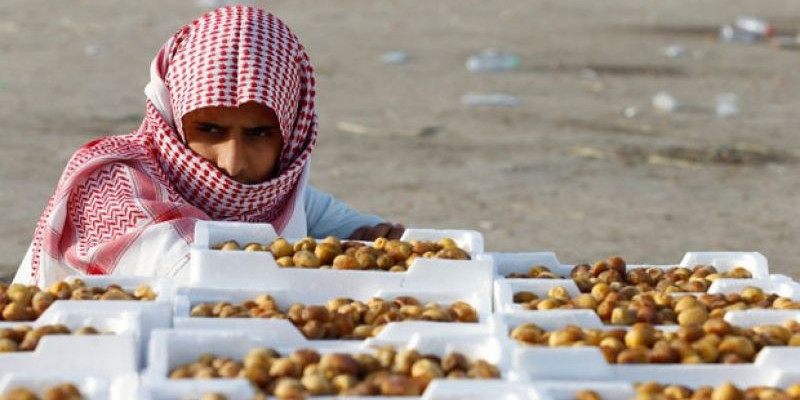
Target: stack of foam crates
[
  {"x": 102, "y": 366},
  {"x": 150, "y": 339},
  {"x": 561, "y": 372},
  {"x": 237, "y": 276}
]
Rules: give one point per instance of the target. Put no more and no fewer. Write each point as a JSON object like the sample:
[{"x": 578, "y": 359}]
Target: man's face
[{"x": 243, "y": 142}]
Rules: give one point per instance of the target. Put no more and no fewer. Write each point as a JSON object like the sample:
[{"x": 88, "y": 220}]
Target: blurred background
[{"x": 639, "y": 128}]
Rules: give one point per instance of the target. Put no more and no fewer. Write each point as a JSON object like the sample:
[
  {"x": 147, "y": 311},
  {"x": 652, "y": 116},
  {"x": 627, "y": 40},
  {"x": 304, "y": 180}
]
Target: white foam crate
[
  {"x": 608, "y": 390},
  {"x": 104, "y": 355},
  {"x": 751, "y": 318},
  {"x": 437, "y": 390},
  {"x": 163, "y": 390},
  {"x": 288, "y": 287},
  {"x": 507, "y": 263},
  {"x": 151, "y": 314},
  {"x": 502, "y": 390},
  {"x": 210, "y": 233},
  {"x": 567, "y": 390},
  {"x": 444, "y": 389},
  {"x": 155, "y": 314},
  {"x": 172, "y": 348},
  {"x": 774, "y": 366},
  {"x": 781, "y": 285},
  {"x": 241, "y": 269},
  {"x": 123, "y": 387},
  {"x": 504, "y": 290}
]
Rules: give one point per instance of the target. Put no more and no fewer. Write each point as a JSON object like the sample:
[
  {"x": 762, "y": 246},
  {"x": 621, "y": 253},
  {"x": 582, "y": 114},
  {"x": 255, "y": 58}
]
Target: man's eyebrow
[{"x": 250, "y": 128}]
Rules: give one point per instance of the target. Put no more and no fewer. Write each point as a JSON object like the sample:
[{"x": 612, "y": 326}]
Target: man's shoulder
[
  {"x": 131, "y": 144},
  {"x": 107, "y": 151}
]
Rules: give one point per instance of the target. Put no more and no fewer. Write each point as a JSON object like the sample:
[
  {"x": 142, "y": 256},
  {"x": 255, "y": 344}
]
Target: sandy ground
[{"x": 565, "y": 171}]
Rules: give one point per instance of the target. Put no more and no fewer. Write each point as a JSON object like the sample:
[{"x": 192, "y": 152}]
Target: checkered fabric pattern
[{"x": 116, "y": 187}]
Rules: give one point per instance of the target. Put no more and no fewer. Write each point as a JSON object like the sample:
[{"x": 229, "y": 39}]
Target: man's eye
[
  {"x": 209, "y": 128},
  {"x": 262, "y": 132}
]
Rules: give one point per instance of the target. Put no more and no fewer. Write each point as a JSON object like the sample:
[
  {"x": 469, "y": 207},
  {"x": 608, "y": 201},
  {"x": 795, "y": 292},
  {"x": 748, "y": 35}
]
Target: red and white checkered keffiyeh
[{"x": 117, "y": 189}]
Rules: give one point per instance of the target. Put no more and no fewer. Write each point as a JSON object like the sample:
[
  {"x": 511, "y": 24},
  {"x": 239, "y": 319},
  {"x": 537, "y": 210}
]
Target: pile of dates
[
  {"x": 26, "y": 338},
  {"x": 630, "y": 305},
  {"x": 386, "y": 372},
  {"x": 26, "y": 303},
  {"x": 64, "y": 391},
  {"x": 341, "y": 318},
  {"x": 725, "y": 391},
  {"x": 331, "y": 253},
  {"x": 614, "y": 272},
  {"x": 714, "y": 341}
]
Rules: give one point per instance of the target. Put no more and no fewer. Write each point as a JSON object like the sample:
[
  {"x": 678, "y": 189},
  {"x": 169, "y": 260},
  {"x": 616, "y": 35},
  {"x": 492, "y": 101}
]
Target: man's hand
[{"x": 386, "y": 229}]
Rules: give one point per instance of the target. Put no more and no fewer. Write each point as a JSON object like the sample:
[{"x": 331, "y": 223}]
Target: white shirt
[{"x": 159, "y": 253}]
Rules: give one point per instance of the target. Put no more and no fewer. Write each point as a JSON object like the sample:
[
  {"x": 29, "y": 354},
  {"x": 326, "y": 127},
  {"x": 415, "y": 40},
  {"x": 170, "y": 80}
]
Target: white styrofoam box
[
  {"x": 447, "y": 389},
  {"x": 468, "y": 240},
  {"x": 587, "y": 319},
  {"x": 164, "y": 288},
  {"x": 239, "y": 270},
  {"x": 122, "y": 387},
  {"x": 242, "y": 269},
  {"x": 287, "y": 287},
  {"x": 104, "y": 355},
  {"x": 507, "y": 263},
  {"x": 755, "y": 262},
  {"x": 504, "y": 290},
  {"x": 249, "y": 270},
  {"x": 608, "y": 390},
  {"x": 755, "y": 317},
  {"x": 172, "y": 348},
  {"x": 152, "y": 314},
  {"x": 442, "y": 389},
  {"x": 549, "y": 320},
  {"x": 781, "y": 285},
  {"x": 155, "y": 314},
  {"x": 567, "y": 390},
  {"x": 503, "y": 323},
  {"x": 258, "y": 270},
  {"x": 240, "y": 389},
  {"x": 210, "y": 233},
  {"x": 774, "y": 366}
]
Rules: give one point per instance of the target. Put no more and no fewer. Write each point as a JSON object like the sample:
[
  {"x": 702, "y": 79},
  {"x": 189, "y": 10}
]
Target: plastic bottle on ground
[
  {"x": 394, "y": 57},
  {"x": 494, "y": 99},
  {"x": 492, "y": 60},
  {"x": 754, "y": 25},
  {"x": 665, "y": 102},
  {"x": 675, "y": 51},
  {"x": 729, "y": 33},
  {"x": 727, "y": 105},
  {"x": 746, "y": 29}
]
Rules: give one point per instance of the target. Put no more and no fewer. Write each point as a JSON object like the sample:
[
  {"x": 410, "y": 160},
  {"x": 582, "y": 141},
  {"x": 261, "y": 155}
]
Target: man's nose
[{"x": 231, "y": 158}]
